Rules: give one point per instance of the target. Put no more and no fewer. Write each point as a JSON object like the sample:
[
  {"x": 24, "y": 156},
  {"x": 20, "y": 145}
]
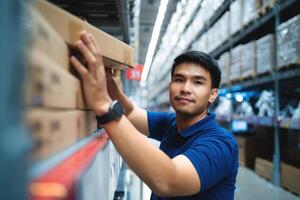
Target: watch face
[{"x": 117, "y": 109}]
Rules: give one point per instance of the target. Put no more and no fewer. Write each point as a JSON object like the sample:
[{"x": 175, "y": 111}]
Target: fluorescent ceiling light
[{"x": 154, "y": 38}]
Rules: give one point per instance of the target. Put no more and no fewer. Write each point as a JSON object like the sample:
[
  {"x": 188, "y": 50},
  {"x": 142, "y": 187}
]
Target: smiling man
[{"x": 197, "y": 159}]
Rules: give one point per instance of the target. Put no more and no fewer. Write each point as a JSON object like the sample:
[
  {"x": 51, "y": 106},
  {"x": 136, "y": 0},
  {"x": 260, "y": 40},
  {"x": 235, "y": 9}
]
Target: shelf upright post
[
  {"x": 14, "y": 140},
  {"x": 276, "y": 155}
]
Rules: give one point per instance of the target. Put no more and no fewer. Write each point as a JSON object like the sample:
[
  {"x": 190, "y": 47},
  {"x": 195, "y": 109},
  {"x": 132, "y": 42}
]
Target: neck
[{"x": 184, "y": 121}]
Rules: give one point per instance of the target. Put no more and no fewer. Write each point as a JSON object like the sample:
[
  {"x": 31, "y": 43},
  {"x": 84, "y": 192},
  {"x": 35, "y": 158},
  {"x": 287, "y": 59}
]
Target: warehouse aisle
[{"x": 251, "y": 186}]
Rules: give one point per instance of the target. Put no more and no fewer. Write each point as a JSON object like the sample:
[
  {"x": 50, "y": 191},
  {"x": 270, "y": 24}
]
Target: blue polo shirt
[{"x": 212, "y": 150}]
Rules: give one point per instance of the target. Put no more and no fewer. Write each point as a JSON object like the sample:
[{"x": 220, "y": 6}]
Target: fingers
[
  {"x": 89, "y": 43},
  {"x": 88, "y": 56},
  {"x": 97, "y": 48},
  {"x": 79, "y": 67}
]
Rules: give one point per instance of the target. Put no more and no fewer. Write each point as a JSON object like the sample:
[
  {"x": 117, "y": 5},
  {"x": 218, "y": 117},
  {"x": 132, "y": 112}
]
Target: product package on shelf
[
  {"x": 250, "y": 10},
  {"x": 224, "y": 107},
  {"x": 55, "y": 130},
  {"x": 49, "y": 85},
  {"x": 265, "y": 104},
  {"x": 288, "y": 42},
  {"x": 200, "y": 44},
  {"x": 248, "y": 60},
  {"x": 224, "y": 63},
  {"x": 236, "y": 16},
  {"x": 263, "y": 168},
  {"x": 224, "y": 28},
  {"x": 265, "y": 54},
  {"x": 245, "y": 109},
  {"x": 235, "y": 63},
  {"x": 44, "y": 39},
  {"x": 116, "y": 54}
]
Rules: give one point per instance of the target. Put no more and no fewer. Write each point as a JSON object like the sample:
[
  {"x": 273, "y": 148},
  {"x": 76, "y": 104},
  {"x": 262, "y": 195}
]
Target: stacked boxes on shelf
[
  {"x": 288, "y": 42},
  {"x": 290, "y": 175},
  {"x": 224, "y": 63},
  {"x": 236, "y": 13},
  {"x": 250, "y": 10},
  {"x": 235, "y": 63},
  {"x": 224, "y": 29},
  {"x": 248, "y": 60},
  {"x": 57, "y": 115},
  {"x": 265, "y": 54}
]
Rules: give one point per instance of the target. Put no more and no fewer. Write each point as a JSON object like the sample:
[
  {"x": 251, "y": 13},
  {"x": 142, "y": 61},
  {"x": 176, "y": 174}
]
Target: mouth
[{"x": 183, "y": 99}]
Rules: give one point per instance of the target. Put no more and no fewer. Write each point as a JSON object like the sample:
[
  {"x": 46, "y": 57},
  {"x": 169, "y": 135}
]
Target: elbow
[{"x": 162, "y": 189}]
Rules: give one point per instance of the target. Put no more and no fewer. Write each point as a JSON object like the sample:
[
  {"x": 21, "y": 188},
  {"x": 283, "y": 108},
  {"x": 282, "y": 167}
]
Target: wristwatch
[{"x": 115, "y": 112}]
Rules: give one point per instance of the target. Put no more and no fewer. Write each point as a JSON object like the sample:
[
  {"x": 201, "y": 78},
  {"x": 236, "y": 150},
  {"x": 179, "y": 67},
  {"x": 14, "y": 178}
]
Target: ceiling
[{"x": 116, "y": 18}]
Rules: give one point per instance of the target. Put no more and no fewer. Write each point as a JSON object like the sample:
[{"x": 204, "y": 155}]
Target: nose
[{"x": 185, "y": 88}]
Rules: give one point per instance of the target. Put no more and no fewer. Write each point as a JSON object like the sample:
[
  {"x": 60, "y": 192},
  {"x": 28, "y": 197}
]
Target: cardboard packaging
[
  {"x": 248, "y": 60},
  {"x": 116, "y": 54},
  {"x": 53, "y": 131},
  {"x": 288, "y": 51},
  {"x": 44, "y": 39},
  {"x": 236, "y": 63},
  {"x": 265, "y": 54},
  {"x": 290, "y": 177},
  {"x": 236, "y": 16},
  {"x": 49, "y": 85},
  {"x": 250, "y": 10},
  {"x": 247, "y": 150},
  {"x": 263, "y": 168},
  {"x": 224, "y": 63}
]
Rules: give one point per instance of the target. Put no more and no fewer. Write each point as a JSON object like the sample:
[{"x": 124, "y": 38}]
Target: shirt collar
[{"x": 199, "y": 126}]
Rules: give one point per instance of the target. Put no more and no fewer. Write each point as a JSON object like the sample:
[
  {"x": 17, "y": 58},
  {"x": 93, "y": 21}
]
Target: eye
[
  {"x": 177, "y": 79},
  {"x": 198, "y": 82}
]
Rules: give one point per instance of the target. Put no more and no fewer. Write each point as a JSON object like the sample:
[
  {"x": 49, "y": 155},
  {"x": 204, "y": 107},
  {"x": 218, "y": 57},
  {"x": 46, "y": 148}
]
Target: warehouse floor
[{"x": 251, "y": 186}]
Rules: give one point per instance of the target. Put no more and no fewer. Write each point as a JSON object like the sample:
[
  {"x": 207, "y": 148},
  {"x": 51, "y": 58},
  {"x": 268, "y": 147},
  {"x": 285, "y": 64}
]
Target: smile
[{"x": 183, "y": 99}]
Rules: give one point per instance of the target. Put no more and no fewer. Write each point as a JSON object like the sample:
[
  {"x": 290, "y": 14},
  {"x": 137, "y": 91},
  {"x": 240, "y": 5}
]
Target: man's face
[{"x": 190, "y": 89}]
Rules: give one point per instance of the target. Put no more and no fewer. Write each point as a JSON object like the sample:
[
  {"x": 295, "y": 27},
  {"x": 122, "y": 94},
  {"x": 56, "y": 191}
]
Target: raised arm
[
  {"x": 137, "y": 116},
  {"x": 165, "y": 176}
]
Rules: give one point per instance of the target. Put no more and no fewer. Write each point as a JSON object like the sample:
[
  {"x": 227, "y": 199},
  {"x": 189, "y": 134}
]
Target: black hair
[{"x": 203, "y": 59}]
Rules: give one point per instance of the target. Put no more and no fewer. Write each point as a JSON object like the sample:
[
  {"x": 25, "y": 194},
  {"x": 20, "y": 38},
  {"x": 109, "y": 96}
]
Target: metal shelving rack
[
  {"x": 275, "y": 80},
  {"x": 272, "y": 80}
]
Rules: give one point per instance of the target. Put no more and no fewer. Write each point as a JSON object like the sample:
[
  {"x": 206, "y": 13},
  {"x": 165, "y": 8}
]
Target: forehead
[{"x": 191, "y": 69}]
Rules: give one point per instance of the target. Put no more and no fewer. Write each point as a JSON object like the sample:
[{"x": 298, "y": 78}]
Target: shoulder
[{"x": 168, "y": 117}]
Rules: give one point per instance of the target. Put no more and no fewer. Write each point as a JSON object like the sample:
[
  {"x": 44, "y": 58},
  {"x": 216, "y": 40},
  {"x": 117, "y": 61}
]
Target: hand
[
  {"x": 92, "y": 75},
  {"x": 112, "y": 87}
]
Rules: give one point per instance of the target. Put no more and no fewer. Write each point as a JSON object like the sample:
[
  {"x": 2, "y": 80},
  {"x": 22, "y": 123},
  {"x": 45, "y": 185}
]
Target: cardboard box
[
  {"x": 224, "y": 63},
  {"x": 49, "y": 85},
  {"x": 263, "y": 168},
  {"x": 236, "y": 63},
  {"x": 44, "y": 39},
  {"x": 288, "y": 42},
  {"x": 249, "y": 60},
  {"x": 265, "y": 54},
  {"x": 250, "y": 10},
  {"x": 53, "y": 130},
  {"x": 290, "y": 177},
  {"x": 116, "y": 53},
  {"x": 247, "y": 150},
  {"x": 236, "y": 16}
]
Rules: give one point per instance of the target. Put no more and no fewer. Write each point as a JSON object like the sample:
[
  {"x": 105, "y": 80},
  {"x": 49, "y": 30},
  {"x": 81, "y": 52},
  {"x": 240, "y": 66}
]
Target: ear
[{"x": 213, "y": 95}]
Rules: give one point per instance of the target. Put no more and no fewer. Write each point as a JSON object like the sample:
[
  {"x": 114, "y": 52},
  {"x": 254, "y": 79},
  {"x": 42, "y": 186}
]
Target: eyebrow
[{"x": 195, "y": 77}]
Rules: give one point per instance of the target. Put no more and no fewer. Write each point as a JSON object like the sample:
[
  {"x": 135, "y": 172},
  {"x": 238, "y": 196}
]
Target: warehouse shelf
[
  {"x": 284, "y": 122},
  {"x": 255, "y": 27},
  {"x": 218, "y": 14},
  {"x": 265, "y": 80}
]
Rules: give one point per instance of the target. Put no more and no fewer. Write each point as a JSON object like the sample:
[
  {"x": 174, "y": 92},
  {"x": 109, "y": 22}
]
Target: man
[{"x": 197, "y": 159}]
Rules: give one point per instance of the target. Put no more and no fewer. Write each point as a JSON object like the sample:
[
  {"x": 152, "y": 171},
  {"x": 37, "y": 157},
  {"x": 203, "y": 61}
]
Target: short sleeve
[
  {"x": 158, "y": 122},
  {"x": 213, "y": 159}
]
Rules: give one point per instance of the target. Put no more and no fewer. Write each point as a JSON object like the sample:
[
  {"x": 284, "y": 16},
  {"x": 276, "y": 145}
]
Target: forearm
[
  {"x": 153, "y": 166},
  {"x": 125, "y": 101}
]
